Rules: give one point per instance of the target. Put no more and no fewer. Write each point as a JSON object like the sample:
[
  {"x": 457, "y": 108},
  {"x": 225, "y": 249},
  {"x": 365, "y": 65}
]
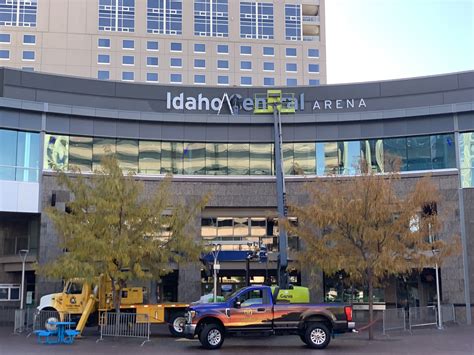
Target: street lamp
[
  {"x": 438, "y": 294},
  {"x": 216, "y": 267},
  {"x": 23, "y": 255}
]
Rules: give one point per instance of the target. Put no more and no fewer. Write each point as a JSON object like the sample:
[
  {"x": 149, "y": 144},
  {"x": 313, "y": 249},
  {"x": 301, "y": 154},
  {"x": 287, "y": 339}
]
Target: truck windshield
[{"x": 74, "y": 288}]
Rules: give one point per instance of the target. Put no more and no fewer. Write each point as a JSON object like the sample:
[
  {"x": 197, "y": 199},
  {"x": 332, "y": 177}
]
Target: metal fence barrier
[
  {"x": 394, "y": 319},
  {"x": 7, "y": 316},
  {"x": 124, "y": 325},
  {"x": 447, "y": 313},
  {"x": 422, "y": 316},
  {"x": 39, "y": 319}
]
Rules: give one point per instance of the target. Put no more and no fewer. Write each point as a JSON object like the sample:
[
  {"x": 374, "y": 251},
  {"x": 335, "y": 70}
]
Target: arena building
[{"x": 211, "y": 141}]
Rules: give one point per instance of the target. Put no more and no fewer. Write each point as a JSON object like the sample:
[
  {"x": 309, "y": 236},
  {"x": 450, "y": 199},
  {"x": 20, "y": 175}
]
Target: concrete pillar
[{"x": 189, "y": 282}]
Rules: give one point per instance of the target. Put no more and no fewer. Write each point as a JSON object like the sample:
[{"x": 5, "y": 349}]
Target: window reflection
[
  {"x": 171, "y": 158},
  {"x": 101, "y": 147},
  {"x": 349, "y": 153},
  {"x": 8, "y": 148},
  {"x": 127, "y": 155},
  {"x": 395, "y": 153},
  {"x": 149, "y": 158},
  {"x": 194, "y": 157},
  {"x": 80, "y": 153},
  {"x": 239, "y": 159},
  {"x": 216, "y": 159},
  {"x": 27, "y": 160},
  {"x": 327, "y": 158},
  {"x": 260, "y": 159},
  {"x": 372, "y": 153},
  {"x": 443, "y": 154},
  {"x": 288, "y": 158},
  {"x": 56, "y": 152},
  {"x": 466, "y": 155},
  {"x": 419, "y": 153},
  {"x": 304, "y": 158}
]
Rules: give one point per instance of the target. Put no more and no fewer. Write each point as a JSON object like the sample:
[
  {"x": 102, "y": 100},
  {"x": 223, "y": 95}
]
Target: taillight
[{"x": 348, "y": 312}]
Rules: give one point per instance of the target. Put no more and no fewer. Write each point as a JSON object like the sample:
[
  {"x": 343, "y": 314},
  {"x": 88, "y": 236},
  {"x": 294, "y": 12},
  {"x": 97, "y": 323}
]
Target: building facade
[
  {"x": 212, "y": 142},
  {"x": 202, "y": 42}
]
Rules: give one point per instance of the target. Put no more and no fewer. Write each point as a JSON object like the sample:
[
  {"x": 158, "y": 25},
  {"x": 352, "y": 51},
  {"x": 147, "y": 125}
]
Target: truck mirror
[{"x": 237, "y": 304}]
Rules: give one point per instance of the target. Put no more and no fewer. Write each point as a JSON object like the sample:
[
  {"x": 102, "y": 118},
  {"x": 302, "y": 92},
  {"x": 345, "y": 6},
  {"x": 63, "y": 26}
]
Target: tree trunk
[{"x": 371, "y": 304}]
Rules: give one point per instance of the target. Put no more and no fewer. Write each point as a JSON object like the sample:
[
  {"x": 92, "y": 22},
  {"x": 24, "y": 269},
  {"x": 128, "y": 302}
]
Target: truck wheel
[
  {"x": 211, "y": 336},
  {"x": 317, "y": 336},
  {"x": 176, "y": 325}
]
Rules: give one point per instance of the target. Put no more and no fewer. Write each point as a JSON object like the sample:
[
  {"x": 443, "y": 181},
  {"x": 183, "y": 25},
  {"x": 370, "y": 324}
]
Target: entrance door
[{"x": 252, "y": 310}]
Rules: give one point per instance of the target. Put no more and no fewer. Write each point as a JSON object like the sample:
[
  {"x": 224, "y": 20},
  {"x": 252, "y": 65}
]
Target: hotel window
[
  {"x": 291, "y": 52},
  {"x": 152, "y": 77},
  {"x": 200, "y": 63},
  {"x": 291, "y": 67},
  {"x": 176, "y": 78},
  {"x": 293, "y": 27},
  {"x": 246, "y": 50},
  {"x": 223, "y": 64},
  {"x": 176, "y": 62},
  {"x": 128, "y": 60},
  {"x": 313, "y": 68},
  {"x": 223, "y": 80},
  {"x": 268, "y": 81},
  {"x": 103, "y": 75},
  {"x": 245, "y": 65},
  {"x": 103, "y": 43},
  {"x": 313, "y": 53},
  {"x": 18, "y": 13},
  {"x": 128, "y": 44},
  {"x": 103, "y": 59},
  {"x": 211, "y": 18},
  {"x": 5, "y": 38},
  {"x": 291, "y": 82},
  {"x": 152, "y": 46},
  {"x": 313, "y": 82},
  {"x": 246, "y": 80},
  {"x": 29, "y": 39},
  {"x": 199, "y": 48},
  {"x": 152, "y": 61},
  {"x": 256, "y": 20},
  {"x": 165, "y": 17},
  {"x": 128, "y": 76},
  {"x": 222, "y": 49},
  {"x": 268, "y": 51},
  {"x": 28, "y": 55},
  {"x": 268, "y": 66},
  {"x": 4, "y": 54},
  {"x": 117, "y": 15},
  {"x": 199, "y": 79},
  {"x": 176, "y": 47}
]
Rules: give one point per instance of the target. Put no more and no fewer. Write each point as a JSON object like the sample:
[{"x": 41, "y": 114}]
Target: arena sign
[{"x": 235, "y": 103}]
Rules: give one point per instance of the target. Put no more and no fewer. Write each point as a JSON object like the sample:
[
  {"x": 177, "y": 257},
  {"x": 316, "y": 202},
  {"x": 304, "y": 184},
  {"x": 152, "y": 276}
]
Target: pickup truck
[{"x": 253, "y": 310}]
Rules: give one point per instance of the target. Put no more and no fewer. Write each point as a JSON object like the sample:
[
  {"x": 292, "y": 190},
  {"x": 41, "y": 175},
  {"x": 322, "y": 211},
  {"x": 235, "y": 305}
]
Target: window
[
  {"x": 128, "y": 76},
  {"x": 246, "y": 50},
  {"x": 165, "y": 17},
  {"x": 313, "y": 82},
  {"x": 291, "y": 52},
  {"x": 152, "y": 61},
  {"x": 200, "y": 63},
  {"x": 245, "y": 65},
  {"x": 211, "y": 18},
  {"x": 176, "y": 78},
  {"x": 268, "y": 81},
  {"x": 9, "y": 292},
  {"x": 293, "y": 22},
  {"x": 291, "y": 81},
  {"x": 256, "y": 20},
  {"x": 291, "y": 67},
  {"x": 103, "y": 75},
  {"x": 152, "y": 77},
  {"x": 313, "y": 53},
  {"x": 246, "y": 80},
  {"x": 29, "y": 39},
  {"x": 19, "y": 156},
  {"x": 222, "y": 49},
  {"x": 152, "y": 46},
  {"x": 117, "y": 15},
  {"x": 176, "y": 47},
  {"x": 18, "y": 13},
  {"x": 199, "y": 79},
  {"x": 176, "y": 63},
  {"x": 28, "y": 55},
  {"x": 223, "y": 80},
  {"x": 222, "y": 64},
  {"x": 268, "y": 51},
  {"x": 5, "y": 38},
  {"x": 128, "y": 44},
  {"x": 103, "y": 43},
  {"x": 4, "y": 54},
  {"x": 128, "y": 60},
  {"x": 313, "y": 68},
  {"x": 103, "y": 59},
  {"x": 199, "y": 48},
  {"x": 268, "y": 66}
]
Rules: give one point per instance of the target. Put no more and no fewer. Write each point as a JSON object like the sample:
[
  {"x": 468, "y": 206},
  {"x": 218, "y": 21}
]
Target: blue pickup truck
[{"x": 253, "y": 310}]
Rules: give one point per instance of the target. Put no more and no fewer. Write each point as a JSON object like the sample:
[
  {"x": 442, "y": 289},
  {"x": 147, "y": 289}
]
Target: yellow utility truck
[{"x": 85, "y": 302}]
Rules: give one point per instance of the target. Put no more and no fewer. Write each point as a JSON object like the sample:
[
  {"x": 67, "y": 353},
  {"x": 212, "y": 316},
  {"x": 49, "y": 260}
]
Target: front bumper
[{"x": 189, "y": 330}]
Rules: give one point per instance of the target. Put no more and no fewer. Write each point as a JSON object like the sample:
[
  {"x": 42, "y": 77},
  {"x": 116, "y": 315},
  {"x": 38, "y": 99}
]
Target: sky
[{"x": 369, "y": 40}]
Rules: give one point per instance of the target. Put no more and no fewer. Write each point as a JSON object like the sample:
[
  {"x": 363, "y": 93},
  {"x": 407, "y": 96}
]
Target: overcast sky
[{"x": 386, "y": 39}]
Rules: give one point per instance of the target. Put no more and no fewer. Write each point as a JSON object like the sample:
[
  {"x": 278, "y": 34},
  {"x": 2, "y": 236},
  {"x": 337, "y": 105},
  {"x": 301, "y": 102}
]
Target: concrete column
[{"x": 189, "y": 282}]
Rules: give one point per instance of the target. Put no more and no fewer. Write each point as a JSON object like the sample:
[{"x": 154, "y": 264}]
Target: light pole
[
  {"x": 438, "y": 294},
  {"x": 23, "y": 255},
  {"x": 216, "y": 267}
]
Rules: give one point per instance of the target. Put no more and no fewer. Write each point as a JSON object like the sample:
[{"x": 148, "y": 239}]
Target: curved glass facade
[{"x": 194, "y": 158}]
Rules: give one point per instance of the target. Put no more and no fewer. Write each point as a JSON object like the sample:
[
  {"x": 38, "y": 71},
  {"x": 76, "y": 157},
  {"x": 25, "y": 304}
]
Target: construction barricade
[
  {"x": 124, "y": 325},
  {"x": 394, "y": 319},
  {"x": 40, "y": 319}
]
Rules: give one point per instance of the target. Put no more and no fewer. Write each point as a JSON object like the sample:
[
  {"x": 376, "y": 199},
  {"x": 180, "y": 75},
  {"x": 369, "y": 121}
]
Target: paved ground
[{"x": 453, "y": 341}]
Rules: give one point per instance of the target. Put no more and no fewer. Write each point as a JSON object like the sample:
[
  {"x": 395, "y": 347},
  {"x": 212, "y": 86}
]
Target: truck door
[{"x": 251, "y": 310}]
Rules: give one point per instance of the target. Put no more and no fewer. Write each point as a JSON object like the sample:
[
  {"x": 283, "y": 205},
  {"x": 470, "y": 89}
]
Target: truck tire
[
  {"x": 317, "y": 335},
  {"x": 211, "y": 336},
  {"x": 176, "y": 325}
]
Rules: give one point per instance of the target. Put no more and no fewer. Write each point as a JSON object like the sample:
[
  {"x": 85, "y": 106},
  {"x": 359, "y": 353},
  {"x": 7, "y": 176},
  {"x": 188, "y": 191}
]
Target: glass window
[
  {"x": 149, "y": 158},
  {"x": 4, "y": 54},
  {"x": 128, "y": 76},
  {"x": 152, "y": 45},
  {"x": 171, "y": 158},
  {"x": 199, "y": 79},
  {"x": 128, "y": 60},
  {"x": 291, "y": 52},
  {"x": 199, "y": 48},
  {"x": 395, "y": 154},
  {"x": 291, "y": 81},
  {"x": 80, "y": 153},
  {"x": 176, "y": 62},
  {"x": 152, "y": 61},
  {"x": 304, "y": 158},
  {"x": 128, "y": 44},
  {"x": 241, "y": 227},
  {"x": 419, "y": 153},
  {"x": 223, "y": 80},
  {"x": 176, "y": 47},
  {"x": 103, "y": 43},
  {"x": 117, "y": 15},
  {"x": 194, "y": 158},
  {"x": 127, "y": 155},
  {"x": 28, "y": 157},
  {"x": 313, "y": 82},
  {"x": 372, "y": 151},
  {"x": 222, "y": 64},
  {"x": 327, "y": 161},
  {"x": 200, "y": 63},
  {"x": 5, "y": 38},
  {"x": 222, "y": 49},
  {"x": 288, "y": 158},
  {"x": 269, "y": 51},
  {"x": 209, "y": 228},
  {"x": 313, "y": 53},
  {"x": 291, "y": 67},
  {"x": 238, "y": 159},
  {"x": 165, "y": 17},
  {"x": 103, "y": 59},
  {"x": 29, "y": 39},
  {"x": 246, "y": 80},
  {"x": 349, "y": 153},
  {"x": 101, "y": 147},
  {"x": 313, "y": 68},
  {"x": 8, "y": 152},
  {"x": 246, "y": 50},
  {"x": 245, "y": 65},
  {"x": 269, "y": 81},
  {"x": 466, "y": 157},
  {"x": 18, "y": 13},
  {"x": 268, "y": 66},
  {"x": 216, "y": 159},
  {"x": 256, "y": 20},
  {"x": 103, "y": 75},
  {"x": 152, "y": 77},
  {"x": 176, "y": 78},
  {"x": 293, "y": 22},
  {"x": 260, "y": 159},
  {"x": 56, "y": 152},
  {"x": 443, "y": 154},
  {"x": 28, "y": 55},
  {"x": 211, "y": 18}
]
